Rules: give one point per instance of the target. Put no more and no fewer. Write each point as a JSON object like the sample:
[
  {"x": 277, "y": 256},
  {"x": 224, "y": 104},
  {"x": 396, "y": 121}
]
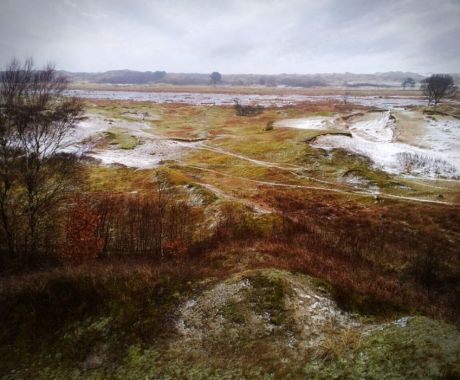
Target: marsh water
[{"x": 386, "y": 102}]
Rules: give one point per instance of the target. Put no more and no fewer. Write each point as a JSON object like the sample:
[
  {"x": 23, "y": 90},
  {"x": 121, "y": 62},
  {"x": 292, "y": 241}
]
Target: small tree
[
  {"x": 438, "y": 86},
  {"x": 82, "y": 242},
  {"x": 346, "y": 93},
  {"x": 246, "y": 110},
  {"x": 163, "y": 200},
  {"x": 216, "y": 78},
  {"x": 408, "y": 82},
  {"x": 35, "y": 120}
]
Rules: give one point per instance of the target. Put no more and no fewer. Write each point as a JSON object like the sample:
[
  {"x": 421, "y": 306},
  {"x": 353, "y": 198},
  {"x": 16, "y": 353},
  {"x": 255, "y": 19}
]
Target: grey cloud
[{"x": 264, "y": 36}]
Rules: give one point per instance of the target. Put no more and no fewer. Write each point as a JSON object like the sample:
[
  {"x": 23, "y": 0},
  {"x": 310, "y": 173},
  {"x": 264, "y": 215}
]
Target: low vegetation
[
  {"x": 121, "y": 138},
  {"x": 253, "y": 256},
  {"x": 247, "y": 110},
  {"x": 413, "y": 163},
  {"x": 130, "y": 319}
]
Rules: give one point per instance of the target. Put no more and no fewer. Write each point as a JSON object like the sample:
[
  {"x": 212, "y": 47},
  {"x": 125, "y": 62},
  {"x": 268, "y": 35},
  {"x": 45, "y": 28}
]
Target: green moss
[
  {"x": 231, "y": 311},
  {"x": 83, "y": 313},
  {"x": 129, "y": 323},
  {"x": 121, "y": 137},
  {"x": 267, "y": 297},
  {"x": 366, "y": 305},
  {"x": 417, "y": 349},
  {"x": 360, "y": 304}
]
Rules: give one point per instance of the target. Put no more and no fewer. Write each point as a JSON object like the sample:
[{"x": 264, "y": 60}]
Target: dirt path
[
  {"x": 288, "y": 167},
  {"x": 350, "y": 192},
  {"x": 221, "y": 194}
]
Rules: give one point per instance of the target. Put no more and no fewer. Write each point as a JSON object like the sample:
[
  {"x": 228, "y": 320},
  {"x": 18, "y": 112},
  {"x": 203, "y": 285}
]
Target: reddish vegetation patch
[
  {"x": 82, "y": 243},
  {"x": 216, "y": 132},
  {"x": 403, "y": 254}
]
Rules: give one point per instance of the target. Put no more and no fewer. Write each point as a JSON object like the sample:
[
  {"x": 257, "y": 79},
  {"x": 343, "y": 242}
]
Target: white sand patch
[
  {"x": 374, "y": 138},
  {"x": 377, "y": 128},
  {"x": 442, "y": 134},
  {"x": 88, "y": 128},
  {"x": 315, "y": 122},
  {"x": 144, "y": 116},
  {"x": 146, "y": 155},
  {"x": 149, "y": 153},
  {"x": 93, "y": 126}
]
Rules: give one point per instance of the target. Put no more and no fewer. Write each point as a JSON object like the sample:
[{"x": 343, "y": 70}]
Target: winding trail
[
  {"x": 349, "y": 192},
  {"x": 288, "y": 167},
  {"x": 221, "y": 194}
]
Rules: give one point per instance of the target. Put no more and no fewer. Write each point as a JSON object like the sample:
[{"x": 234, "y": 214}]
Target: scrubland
[{"x": 169, "y": 269}]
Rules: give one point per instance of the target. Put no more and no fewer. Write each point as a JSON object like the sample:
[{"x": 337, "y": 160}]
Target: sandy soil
[
  {"x": 315, "y": 122},
  {"x": 148, "y": 153},
  {"x": 433, "y": 142},
  {"x": 409, "y": 127}
]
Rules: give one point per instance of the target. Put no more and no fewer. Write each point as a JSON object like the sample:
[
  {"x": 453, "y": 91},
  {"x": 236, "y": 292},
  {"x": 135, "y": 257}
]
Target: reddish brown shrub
[{"x": 81, "y": 243}]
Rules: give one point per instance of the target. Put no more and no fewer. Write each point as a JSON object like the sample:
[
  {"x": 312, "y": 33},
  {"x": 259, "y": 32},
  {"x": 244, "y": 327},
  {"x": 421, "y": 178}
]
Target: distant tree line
[
  {"x": 134, "y": 77},
  {"x": 215, "y": 78},
  {"x": 391, "y": 79}
]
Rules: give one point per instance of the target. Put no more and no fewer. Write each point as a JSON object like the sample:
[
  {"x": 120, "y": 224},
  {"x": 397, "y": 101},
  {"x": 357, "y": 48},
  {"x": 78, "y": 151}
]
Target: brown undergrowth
[{"x": 378, "y": 256}]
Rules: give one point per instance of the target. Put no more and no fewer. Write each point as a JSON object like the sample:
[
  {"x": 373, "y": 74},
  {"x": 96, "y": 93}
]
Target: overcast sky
[{"x": 234, "y": 36}]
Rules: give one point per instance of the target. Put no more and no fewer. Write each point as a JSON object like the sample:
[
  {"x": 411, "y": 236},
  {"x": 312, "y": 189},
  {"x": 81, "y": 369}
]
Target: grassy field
[
  {"x": 243, "y": 150},
  {"x": 275, "y": 177}
]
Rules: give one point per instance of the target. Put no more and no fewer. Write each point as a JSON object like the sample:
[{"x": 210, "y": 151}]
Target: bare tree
[
  {"x": 216, "y": 78},
  {"x": 346, "y": 93},
  {"x": 438, "y": 86},
  {"x": 246, "y": 110},
  {"x": 408, "y": 82},
  {"x": 35, "y": 119},
  {"x": 163, "y": 198}
]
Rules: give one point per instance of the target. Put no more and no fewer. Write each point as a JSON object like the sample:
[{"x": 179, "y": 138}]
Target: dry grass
[
  {"x": 396, "y": 254},
  {"x": 384, "y": 256},
  {"x": 339, "y": 345}
]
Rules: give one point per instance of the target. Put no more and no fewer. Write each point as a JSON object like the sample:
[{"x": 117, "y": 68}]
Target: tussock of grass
[{"x": 121, "y": 137}]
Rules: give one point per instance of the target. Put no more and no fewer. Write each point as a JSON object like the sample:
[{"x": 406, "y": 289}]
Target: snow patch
[
  {"x": 388, "y": 102},
  {"x": 317, "y": 123},
  {"x": 149, "y": 153},
  {"x": 375, "y": 139}
]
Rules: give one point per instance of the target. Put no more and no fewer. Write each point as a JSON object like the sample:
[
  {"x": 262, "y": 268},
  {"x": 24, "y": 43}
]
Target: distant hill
[{"x": 386, "y": 79}]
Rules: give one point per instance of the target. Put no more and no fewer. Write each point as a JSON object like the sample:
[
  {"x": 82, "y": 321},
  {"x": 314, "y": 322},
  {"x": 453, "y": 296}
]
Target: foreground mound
[
  {"x": 289, "y": 325},
  {"x": 257, "y": 324}
]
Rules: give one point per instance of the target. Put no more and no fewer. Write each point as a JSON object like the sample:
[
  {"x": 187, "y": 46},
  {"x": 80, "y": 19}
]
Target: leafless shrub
[
  {"x": 414, "y": 163},
  {"x": 247, "y": 110},
  {"x": 154, "y": 224},
  {"x": 269, "y": 126},
  {"x": 35, "y": 120}
]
